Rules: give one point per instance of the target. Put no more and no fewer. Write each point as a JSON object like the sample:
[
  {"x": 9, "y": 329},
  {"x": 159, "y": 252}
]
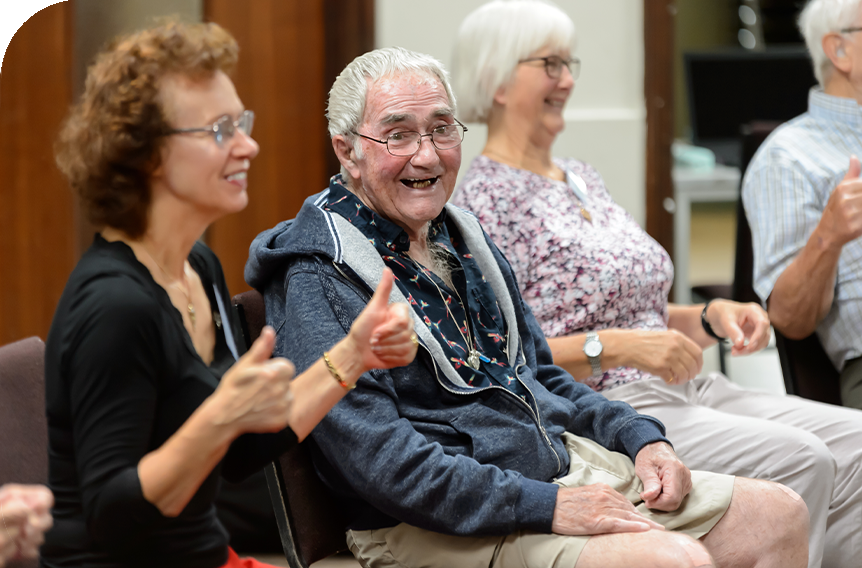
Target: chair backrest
[
  {"x": 753, "y": 135},
  {"x": 310, "y": 519},
  {"x": 23, "y": 425},
  {"x": 252, "y": 314},
  {"x": 807, "y": 370}
]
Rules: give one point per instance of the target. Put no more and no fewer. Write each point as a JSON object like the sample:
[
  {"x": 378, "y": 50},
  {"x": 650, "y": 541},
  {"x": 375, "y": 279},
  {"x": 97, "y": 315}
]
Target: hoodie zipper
[{"x": 533, "y": 414}]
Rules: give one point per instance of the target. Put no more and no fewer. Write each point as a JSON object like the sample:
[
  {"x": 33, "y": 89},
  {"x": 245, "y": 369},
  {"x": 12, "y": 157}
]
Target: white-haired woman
[{"x": 598, "y": 284}]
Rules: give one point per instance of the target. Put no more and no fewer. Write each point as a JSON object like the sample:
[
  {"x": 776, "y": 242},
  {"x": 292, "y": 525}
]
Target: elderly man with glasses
[{"x": 481, "y": 452}]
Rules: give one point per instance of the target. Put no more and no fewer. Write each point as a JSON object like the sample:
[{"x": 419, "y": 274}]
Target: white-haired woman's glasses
[{"x": 554, "y": 65}]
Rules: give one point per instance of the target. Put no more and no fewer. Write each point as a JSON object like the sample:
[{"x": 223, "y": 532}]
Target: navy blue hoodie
[{"x": 416, "y": 444}]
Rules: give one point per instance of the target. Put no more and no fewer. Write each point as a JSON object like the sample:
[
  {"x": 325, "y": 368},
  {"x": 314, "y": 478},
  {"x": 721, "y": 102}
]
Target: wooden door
[
  {"x": 290, "y": 51},
  {"x": 38, "y": 237}
]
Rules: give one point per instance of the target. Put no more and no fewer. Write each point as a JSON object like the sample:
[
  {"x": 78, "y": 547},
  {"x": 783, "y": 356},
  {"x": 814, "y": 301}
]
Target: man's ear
[
  {"x": 835, "y": 49},
  {"x": 346, "y": 154}
]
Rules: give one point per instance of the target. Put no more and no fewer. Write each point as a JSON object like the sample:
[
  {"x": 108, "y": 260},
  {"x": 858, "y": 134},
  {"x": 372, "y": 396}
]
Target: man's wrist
[{"x": 824, "y": 240}]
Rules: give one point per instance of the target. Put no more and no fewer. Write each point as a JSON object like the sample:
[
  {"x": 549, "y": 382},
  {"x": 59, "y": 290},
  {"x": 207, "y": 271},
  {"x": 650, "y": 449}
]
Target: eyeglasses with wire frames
[
  {"x": 222, "y": 129},
  {"x": 554, "y": 65},
  {"x": 850, "y": 30},
  {"x": 407, "y": 143}
]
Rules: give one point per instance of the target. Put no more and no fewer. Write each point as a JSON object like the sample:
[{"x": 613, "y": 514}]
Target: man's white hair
[
  {"x": 494, "y": 38},
  {"x": 346, "y": 105},
  {"x": 819, "y": 18}
]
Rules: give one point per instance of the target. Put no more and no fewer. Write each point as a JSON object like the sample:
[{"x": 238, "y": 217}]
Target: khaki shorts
[{"x": 407, "y": 546}]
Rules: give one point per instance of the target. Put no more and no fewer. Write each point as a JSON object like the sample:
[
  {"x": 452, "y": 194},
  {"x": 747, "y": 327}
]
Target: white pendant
[{"x": 473, "y": 359}]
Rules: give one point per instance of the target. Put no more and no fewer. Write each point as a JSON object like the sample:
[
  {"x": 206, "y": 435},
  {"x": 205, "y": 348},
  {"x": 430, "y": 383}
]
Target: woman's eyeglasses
[
  {"x": 224, "y": 128},
  {"x": 554, "y": 65}
]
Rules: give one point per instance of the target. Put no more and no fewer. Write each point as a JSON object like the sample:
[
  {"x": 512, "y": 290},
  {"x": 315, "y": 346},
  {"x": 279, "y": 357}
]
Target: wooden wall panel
[
  {"x": 37, "y": 215},
  {"x": 354, "y": 20},
  {"x": 280, "y": 77},
  {"x": 658, "y": 90},
  {"x": 290, "y": 53}
]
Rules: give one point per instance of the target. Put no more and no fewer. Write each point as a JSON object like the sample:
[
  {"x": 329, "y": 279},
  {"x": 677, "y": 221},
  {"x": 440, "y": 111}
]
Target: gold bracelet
[{"x": 334, "y": 372}]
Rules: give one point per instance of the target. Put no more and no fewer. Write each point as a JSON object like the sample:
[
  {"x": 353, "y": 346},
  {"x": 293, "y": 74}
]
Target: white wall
[{"x": 605, "y": 117}]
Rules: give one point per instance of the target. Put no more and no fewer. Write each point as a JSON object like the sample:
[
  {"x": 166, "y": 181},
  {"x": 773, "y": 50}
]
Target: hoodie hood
[
  {"x": 317, "y": 232},
  {"x": 271, "y": 250}
]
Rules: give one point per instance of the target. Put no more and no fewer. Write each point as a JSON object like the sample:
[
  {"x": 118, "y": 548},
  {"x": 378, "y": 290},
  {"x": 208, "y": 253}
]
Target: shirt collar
[
  {"x": 836, "y": 109},
  {"x": 345, "y": 203}
]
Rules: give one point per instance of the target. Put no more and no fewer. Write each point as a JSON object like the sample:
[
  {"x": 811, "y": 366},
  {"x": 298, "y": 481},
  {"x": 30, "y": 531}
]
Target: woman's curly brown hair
[{"x": 109, "y": 144}]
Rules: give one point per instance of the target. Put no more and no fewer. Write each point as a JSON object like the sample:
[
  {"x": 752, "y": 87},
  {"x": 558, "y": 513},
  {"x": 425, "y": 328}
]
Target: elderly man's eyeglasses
[
  {"x": 408, "y": 142},
  {"x": 554, "y": 65},
  {"x": 850, "y": 30},
  {"x": 224, "y": 128}
]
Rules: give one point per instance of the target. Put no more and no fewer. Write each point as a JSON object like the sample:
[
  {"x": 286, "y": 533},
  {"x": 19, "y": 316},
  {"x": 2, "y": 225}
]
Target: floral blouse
[{"x": 576, "y": 275}]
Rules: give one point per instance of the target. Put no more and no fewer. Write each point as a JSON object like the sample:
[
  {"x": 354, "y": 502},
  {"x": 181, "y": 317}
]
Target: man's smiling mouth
[{"x": 418, "y": 183}]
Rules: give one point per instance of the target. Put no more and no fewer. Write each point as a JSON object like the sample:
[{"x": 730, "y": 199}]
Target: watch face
[{"x": 593, "y": 349}]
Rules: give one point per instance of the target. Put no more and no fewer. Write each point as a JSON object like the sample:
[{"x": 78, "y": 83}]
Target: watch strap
[{"x": 706, "y": 325}]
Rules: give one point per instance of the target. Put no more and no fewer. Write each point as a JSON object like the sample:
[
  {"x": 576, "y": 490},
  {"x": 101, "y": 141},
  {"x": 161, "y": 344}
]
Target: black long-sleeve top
[{"x": 122, "y": 376}]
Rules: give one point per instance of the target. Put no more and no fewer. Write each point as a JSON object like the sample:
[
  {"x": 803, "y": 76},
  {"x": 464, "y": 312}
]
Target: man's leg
[
  {"x": 766, "y": 526},
  {"x": 405, "y": 546},
  {"x": 653, "y": 549},
  {"x": 715, "y": 440}
]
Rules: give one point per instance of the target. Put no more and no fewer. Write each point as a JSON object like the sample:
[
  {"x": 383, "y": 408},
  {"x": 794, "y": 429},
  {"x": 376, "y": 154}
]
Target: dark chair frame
[
  {"x": 806, "y": 368},
  {"x": 310, "y": 521}
]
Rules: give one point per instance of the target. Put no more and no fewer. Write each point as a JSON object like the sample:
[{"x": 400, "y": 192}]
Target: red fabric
[{"x": 234, "y": 561}]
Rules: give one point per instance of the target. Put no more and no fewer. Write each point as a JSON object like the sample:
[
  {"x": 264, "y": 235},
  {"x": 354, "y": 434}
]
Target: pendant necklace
[
  {"x": 579, "y": 189},
  {"x": 176, "y": 284},
  {"x": 473, "y": 356}
]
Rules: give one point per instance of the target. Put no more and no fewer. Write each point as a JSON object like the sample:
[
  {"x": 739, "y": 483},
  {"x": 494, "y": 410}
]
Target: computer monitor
[{"x": 731, "y": 87}]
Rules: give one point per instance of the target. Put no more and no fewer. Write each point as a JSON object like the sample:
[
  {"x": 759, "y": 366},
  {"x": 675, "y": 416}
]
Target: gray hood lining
[{"x": 366, "y": 262}]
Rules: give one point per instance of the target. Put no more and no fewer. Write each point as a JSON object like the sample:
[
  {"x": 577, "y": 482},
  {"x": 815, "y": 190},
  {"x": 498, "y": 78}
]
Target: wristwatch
[{"x": 593, "y": 351}]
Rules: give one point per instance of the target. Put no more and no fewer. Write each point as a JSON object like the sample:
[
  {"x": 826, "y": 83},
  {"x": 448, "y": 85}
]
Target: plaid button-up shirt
[{"x": 785, "y": 190}]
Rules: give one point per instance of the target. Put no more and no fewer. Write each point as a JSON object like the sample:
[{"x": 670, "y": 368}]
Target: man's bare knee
[
  {"x": 766, "y": 524},
  {"x": 695, "y": 551}
]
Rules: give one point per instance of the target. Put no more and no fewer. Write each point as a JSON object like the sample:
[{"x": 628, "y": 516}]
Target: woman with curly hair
[{"x": 149, "y": 397}]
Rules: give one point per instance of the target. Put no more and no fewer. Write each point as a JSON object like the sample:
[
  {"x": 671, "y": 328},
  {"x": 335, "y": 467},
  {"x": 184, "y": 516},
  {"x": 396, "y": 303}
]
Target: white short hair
[
  {"x": 819, "y": 18},
  {"x": 346, "y": 105},
  {"x": 494, "y": 38}
]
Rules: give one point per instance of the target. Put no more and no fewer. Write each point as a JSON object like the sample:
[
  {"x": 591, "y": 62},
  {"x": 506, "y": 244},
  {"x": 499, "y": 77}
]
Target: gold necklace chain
[
  {"x": 473, "y": 357},
  {"x": 176, "y": 284}
]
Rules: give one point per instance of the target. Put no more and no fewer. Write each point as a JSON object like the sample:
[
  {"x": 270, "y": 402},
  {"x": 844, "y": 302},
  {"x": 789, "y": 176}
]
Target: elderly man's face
[{"x": 409, "y": 191}]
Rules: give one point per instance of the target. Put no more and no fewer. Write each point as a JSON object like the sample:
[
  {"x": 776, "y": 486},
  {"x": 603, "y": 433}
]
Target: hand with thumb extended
[
  {"x": 254, "y": 395},
  {"x": 854, "y": 170},
  {"x": 382, "y": 335},
  {"x": 842, "y": 217}
]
